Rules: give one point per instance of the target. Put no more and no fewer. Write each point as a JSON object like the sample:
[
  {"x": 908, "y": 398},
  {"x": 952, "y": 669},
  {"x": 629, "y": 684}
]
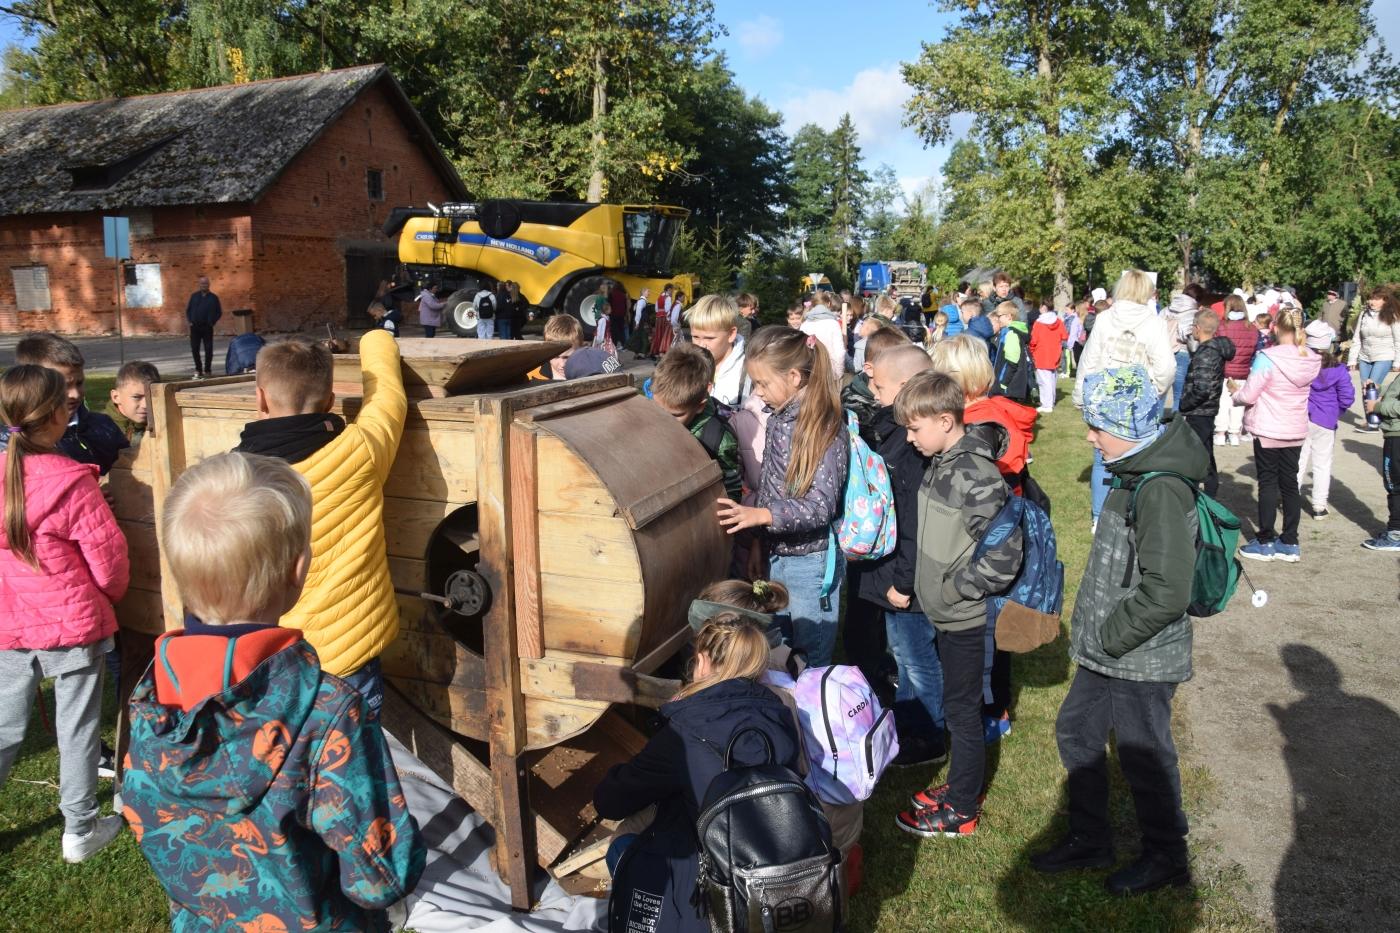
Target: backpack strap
[
  {"x": 734, "y": 740},
  {"x": 1142, "y": 481},
  {"x": 712, "y": 435}
]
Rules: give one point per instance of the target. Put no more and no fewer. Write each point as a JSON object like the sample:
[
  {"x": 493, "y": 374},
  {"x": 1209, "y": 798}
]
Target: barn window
[
  {"x": 99, "y": 176},
  {"x": 31, "y": 288},
  {"x": 143, "y": 287},
  {"x": 374, "y": 184}
]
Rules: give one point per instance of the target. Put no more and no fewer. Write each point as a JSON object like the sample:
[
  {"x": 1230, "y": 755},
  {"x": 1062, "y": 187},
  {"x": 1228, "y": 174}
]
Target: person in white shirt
[
  {"x": 640, "y": 308},
  {"x": 823, "y": 321}
]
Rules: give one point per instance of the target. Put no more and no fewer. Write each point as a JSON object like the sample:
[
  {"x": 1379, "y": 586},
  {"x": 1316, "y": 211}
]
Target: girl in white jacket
[{"x": 1375, "y": 342}]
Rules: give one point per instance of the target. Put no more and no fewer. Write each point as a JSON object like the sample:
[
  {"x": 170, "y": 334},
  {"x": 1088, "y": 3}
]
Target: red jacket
[
  {"x": 1245, "y": 336},
  {"x": 1018, "y": 420},
  {"x": 1048, "y": 342},
  {"x": 82, "y": 553}
]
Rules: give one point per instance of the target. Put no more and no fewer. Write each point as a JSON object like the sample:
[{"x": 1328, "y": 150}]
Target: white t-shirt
[
  {"x": 637, "y": 310},
  {"x": 730, "y": 383}
]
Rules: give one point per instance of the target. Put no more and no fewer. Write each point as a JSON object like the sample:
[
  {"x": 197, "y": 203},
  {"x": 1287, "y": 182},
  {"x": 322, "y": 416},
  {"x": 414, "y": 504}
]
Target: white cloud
[
  {"x": 874, "y": 99},
  {"x": 760, "y": 35}
]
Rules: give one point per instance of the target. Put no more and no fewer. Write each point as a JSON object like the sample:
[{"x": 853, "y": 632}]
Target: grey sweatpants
[{"x": 77, "y": 688}]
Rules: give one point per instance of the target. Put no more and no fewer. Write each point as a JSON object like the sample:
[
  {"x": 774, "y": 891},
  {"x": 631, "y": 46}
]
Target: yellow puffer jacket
[{"x": 347, "y": 610}]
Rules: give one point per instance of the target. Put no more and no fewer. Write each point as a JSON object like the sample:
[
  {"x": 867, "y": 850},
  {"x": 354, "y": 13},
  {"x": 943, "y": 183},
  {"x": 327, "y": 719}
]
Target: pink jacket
[
  {"x": 1277, "y": 393},
  {"x": 81, "y": 550}
]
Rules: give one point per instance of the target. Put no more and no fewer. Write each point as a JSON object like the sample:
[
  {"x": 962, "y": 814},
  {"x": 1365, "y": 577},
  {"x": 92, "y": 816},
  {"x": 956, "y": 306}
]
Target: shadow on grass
[{"x": 10, "y": 838}]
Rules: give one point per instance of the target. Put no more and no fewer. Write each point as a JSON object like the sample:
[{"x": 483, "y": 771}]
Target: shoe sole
[
  {"x": 106, "y": 773},
  {"x": 1288, "y": 558},
  {"x": 1250, "y": 556},
  {"x": 918, "y": 804},
  {"x": 1380, "y": 547},
  {"x": 932, "y": 834}
]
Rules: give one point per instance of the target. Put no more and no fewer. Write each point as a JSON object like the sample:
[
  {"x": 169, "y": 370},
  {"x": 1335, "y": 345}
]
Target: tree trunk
[
  {"x": 596, "y": 179},
  {"x": 1059, "y": 210}
]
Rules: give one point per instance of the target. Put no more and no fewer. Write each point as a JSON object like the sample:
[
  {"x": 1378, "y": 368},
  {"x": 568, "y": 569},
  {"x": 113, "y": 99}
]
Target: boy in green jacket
[
  {"x": 1388, "y": 407},
  {"x": 681, "y": 385},
  {"x": 1131, "y": 637}
]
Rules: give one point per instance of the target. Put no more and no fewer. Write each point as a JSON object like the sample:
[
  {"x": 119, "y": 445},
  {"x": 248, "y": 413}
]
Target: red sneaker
[
  {"x": 934, "y": 797},
  {"x": 941, "y": 821}
]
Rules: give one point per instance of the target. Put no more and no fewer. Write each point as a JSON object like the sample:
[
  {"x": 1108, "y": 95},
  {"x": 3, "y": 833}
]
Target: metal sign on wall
[{"x": 116, "y": 237}]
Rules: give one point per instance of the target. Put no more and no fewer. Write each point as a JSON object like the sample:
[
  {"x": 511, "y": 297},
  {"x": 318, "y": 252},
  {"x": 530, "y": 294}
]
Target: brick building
[{"x": 274, "y": 189}]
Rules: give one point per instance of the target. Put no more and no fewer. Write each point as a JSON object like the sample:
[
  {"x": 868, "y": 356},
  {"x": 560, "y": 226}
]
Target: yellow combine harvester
[{"x": 559, "y": 252}]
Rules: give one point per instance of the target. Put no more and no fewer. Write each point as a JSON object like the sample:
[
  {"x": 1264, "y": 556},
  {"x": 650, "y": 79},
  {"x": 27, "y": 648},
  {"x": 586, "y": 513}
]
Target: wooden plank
[
  {"x": 435, "y": 658},
  {"x": 144, "y": 553},
  {"x": 525, "y": 538},
  {"x": 141, "y": 610},
  {"x": 549, "y": 722},
  {"x": 455, "y": 708},
  {"x": 665, "y": 651},
  {"x": 167, "y": 462},
  {"x": 408, "y": 573},
  {"x": 546, "y": 393},
  {"x": 566, "y": 484},
  {"x": 590, "y": 617},
  {"x": 578, "y": 404},
  {"x": 555, "y": 678},
  {"x": 435, "y": 462},
  {"x": 588, "y": 547},
  {"x": 655, "y": 504},
  {"x": 131, "y": 495},
  {"x": 516, "y": 850},
  {"x": 451, "y": 367},
  {"x": 410, "y": 523}
]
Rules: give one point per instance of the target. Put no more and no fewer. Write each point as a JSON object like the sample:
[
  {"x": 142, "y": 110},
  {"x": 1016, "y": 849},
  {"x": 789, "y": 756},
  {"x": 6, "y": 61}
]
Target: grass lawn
[{"x": 981, "y": 883}]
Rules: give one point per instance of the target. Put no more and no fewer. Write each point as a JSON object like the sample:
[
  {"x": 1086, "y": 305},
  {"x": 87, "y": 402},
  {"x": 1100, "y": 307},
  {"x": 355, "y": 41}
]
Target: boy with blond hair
[
  {"x": 714, "y": 325},
  {"x": 681, "y": 385},
  {"x": 243, "y": 749},
  {"x": 348, "y": 611}
]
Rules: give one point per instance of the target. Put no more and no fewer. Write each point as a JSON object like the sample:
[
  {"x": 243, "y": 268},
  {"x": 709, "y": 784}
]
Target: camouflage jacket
[
  {"x": 258, "y": 792},
  {"x": 1130, "y": 617},
  {"x": 961, "y": 493}
]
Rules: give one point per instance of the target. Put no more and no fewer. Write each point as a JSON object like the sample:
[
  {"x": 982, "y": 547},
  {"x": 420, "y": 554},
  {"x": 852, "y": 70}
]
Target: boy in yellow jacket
[{"x": 347, "y": 610}]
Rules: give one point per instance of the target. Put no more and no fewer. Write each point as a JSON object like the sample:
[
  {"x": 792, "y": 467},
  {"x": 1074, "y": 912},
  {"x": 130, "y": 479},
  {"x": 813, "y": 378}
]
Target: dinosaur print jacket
[{"x": 260, "y": 795}]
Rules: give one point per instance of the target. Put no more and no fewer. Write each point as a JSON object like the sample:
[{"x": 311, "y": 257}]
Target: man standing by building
[{"x": 203, "y": 312}]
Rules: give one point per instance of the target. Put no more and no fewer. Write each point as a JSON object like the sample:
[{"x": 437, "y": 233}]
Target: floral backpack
[{"x": 866, "y": 530}]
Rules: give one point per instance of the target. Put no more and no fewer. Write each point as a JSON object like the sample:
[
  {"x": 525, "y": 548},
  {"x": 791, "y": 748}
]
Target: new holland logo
[{"x": 535, "y": 252}]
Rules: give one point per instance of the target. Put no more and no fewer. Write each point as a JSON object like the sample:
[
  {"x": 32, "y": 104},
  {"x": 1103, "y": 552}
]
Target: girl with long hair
[
  {"x": 1375, "y": 342},
  {"x": 801, "y": 485},
  {"x": 63, "y": 563}
]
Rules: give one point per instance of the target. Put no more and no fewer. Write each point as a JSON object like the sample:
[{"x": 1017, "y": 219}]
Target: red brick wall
[
  {"x": 320, "y": 206},
  {"x": 186, "y": 241},
  {"x": 284, "y": 256}
]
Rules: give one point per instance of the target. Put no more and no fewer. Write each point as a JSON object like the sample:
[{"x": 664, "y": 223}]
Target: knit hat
[
  {"x": 1320, "y": 335},
  {"x": 1123, "y": 402}
]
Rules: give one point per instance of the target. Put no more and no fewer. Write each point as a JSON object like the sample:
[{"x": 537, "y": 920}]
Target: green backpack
[{"x": 1217, "y": 570}]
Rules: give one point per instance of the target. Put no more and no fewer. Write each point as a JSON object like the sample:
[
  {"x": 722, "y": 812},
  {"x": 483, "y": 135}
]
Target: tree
[
  {"x": 849, "y": 192},
  {"x": 1032, "y": 72},
  {"x": 828, "y": 196}
]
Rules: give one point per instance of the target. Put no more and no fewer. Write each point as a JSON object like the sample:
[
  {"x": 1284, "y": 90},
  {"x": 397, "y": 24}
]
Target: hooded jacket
[
  {"x": 961, "y": 493},
  {"x": 1205, "y": 378},
  {"x": 1017, "y": 419},
  {"x": 906, "y": 468},
  {"x": 1331, "y": 394},
  {"x": 1388, "y": 407},
  {"x": 675, "y": 769},
  {"x": 824, "y": 325},
  {"x": 981, "y": 327},
  {"x": 1048, "y": 336},
  {"x": 1123, "y": 334},
  {"x": 1130, "y": 617},
  {"x": 1277, "y": 392},
  {"x": 259, "y": 794},
  {"x": 1244, "y": 336},
  {"x": 80, "y": 549},
  {"x": 801, "y": 524},
  {"x": 347, "y": 609},
  {"x": 1374, "y": 340}
]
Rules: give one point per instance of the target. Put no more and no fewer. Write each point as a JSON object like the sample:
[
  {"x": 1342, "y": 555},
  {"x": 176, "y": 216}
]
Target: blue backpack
[
  {"x": 1027, "y": 615},
  {"x": 866, "y": 528}
]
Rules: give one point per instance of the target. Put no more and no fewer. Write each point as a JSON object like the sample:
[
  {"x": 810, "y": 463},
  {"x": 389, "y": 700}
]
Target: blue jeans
[
  {"x": 503, "y": 328},
  {"x": 813, "y": 625},
  {"x": 1374, "y": 372},
  {"x": 369, "y": 681},
  {"x": 1099, "y": 484},
  {"x": 429, "y": 330},
  {"x": 911, "y": 637},
  {"x": 1183, "y": 360}
]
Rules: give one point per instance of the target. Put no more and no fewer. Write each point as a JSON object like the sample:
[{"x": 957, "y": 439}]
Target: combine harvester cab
[
  {"x": 559, "y": 252},
  {"x": 544, "y": 573}
]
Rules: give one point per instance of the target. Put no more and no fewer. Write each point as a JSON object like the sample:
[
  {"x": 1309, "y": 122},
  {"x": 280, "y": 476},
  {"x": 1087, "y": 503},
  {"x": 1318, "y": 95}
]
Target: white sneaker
[
  {"x": 1234, "y": 440},
  {"x": 1219, "y": 440},
  {"x": 77, "y": 848}
]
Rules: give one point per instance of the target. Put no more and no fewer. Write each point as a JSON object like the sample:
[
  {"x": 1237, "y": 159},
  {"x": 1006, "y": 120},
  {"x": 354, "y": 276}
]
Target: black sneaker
[
  {"x": 106, "y": 762},
  {"x": 1071, "y": 853},
  {"x": 936, "y": 796},
  {"x": 1149, "y": 873},
  {"x": 918, "y": 750},
  {"x": 943, "y": 821}
]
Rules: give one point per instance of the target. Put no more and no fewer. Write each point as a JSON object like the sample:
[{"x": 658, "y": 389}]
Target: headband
[{"x": 702, "y": 610}]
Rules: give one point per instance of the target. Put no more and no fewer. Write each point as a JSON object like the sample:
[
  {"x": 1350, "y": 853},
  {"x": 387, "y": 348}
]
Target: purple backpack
[{"x": 849, "y": 738}]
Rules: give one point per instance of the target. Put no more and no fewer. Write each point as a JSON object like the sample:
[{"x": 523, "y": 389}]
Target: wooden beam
[
  {"x": 557, "y": 679},
  {"x": 581, "y": 403},
  {"x": 167, "y": 463},
  {"x": 525, "y": 536}
]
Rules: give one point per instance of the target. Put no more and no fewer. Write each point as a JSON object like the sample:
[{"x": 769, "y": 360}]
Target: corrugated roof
[{"x": 215, "y": 145}]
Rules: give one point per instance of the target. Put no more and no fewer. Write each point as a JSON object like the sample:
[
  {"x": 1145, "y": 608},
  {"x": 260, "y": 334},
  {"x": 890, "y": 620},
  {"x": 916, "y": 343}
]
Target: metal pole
[{"x": 121, "y": 336}]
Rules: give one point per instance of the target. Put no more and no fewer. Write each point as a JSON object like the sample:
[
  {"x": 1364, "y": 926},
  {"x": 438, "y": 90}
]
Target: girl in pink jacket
[
  {"x": 63, "y": 562},
  {"x": 1276, "y": 394}
]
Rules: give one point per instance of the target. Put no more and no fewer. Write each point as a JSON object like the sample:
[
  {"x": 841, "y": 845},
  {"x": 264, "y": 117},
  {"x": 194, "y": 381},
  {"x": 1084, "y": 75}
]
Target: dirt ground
[{"x": 1293, "y": 709}]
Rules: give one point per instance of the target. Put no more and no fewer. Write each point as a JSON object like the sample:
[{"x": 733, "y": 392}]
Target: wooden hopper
[{"x": 577, "y": 517}]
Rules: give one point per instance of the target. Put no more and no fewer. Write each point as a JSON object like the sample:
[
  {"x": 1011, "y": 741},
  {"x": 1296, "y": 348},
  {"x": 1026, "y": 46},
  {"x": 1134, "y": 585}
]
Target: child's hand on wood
[{"x": 735, "y": 517}]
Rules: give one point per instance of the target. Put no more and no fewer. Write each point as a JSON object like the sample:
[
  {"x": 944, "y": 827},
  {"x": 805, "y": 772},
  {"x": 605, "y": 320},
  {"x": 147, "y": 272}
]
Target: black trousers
[
  {"x": 1277, "y": 469},
  {"x": 1140, "y": 716},
  {"x": 1390, "y": 472},
  {"x": 202, "y": 335},
  {"x": 1204, "y": 426},
  {"x": 963, "y": 654},
  {"x": 863, "y": 636},
  {"x": 1000, "y": 682}
]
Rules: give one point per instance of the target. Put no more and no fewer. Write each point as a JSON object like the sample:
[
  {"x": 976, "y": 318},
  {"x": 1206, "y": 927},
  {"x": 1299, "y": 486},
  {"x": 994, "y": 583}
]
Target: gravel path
[{"x": 1294, "y": 710}]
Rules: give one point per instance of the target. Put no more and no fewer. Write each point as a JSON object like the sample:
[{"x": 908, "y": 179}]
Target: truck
[
  {"x": 908, "y": 278},
  {"x": 559, "y": 252}
]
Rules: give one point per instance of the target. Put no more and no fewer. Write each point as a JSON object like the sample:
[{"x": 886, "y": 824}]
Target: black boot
[
  {"x": 1151, "y": 871},
  {"x": 1072, "y": 852},
  {"x": 919, "y": 750}
]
